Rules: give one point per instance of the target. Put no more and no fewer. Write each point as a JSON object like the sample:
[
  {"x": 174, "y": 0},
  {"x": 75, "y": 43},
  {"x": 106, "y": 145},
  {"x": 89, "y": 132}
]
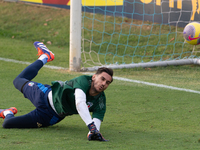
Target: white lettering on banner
[
  {"x": 171, "y": 3},
  {"x": 195, "y": 5}
]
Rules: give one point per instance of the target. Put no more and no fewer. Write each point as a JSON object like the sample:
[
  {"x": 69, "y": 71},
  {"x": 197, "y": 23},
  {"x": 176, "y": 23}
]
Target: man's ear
[{"x": 93, "y": 77}]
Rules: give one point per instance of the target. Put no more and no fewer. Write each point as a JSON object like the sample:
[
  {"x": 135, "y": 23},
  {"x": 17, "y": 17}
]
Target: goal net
[{"x": 134, "y": 33}]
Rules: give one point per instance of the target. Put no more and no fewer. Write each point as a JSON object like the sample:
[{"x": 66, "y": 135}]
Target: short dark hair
[{"x": 105, "y": 69}]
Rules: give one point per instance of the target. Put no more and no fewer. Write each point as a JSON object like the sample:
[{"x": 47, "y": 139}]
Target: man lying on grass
[{"x": 80, "y": 95}]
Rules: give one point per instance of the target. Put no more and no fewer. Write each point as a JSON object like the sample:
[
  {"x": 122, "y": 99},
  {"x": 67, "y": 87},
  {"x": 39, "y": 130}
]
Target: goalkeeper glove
[
  {"x": 92, "y": 127},
  {"x": 96, "y": 136},
  {"x": 94, "y": 133}
]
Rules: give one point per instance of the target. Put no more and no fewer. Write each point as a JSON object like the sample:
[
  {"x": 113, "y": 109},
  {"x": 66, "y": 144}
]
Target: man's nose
[{"x": 104, "y": 83}]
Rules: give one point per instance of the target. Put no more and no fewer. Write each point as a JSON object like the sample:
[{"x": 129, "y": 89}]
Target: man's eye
[{"x": 103, "y": 78}]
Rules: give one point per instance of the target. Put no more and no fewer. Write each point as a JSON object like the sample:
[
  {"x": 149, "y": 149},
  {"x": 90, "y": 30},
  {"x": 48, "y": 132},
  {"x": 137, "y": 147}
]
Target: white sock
[
  {"x": 43, "y": 58},
  {"x": 7, "y": 112}
]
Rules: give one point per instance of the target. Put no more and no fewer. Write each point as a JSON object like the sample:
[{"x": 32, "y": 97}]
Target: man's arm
[
  {"x": 97, "y": 122},
  {"x": 82, "y": 108}
]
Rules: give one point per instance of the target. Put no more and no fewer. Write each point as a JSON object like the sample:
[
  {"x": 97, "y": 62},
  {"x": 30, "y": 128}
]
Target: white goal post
[{"x": 75, "y": 35}]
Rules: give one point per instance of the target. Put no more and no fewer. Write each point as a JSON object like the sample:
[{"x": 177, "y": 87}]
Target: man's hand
[
  {"x": 94, "y": 133},
  {"x": 96, "y": 136}
]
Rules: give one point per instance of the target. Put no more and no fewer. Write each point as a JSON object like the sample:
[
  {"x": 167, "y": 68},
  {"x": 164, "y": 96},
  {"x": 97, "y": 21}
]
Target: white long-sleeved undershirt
[{"x": 83, "y": 110}]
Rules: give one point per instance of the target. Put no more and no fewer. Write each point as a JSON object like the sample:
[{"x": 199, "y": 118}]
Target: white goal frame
[{"x": 75, "y": 46}]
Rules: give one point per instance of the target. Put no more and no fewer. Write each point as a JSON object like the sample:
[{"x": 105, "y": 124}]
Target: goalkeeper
[{"x": 81, "y": 95}]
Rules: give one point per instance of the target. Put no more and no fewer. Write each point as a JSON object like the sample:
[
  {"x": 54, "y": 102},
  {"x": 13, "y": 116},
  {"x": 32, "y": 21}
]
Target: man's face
[{"x": 101, "y": 81}]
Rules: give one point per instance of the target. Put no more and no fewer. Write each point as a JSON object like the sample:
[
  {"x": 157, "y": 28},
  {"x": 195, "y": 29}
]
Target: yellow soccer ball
[{"x": 191, "y": 33}]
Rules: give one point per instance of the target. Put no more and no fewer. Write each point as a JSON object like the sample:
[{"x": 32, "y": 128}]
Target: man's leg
[
  {"x": 10, "y": 121},
  {"x": 27, "y": 74},
  {"x": 31, "y": 71},
  {"x": 29, "y": 120},
  {"x": 34, "y": 119},
  {"x": 42, "y": 116},
  {"x": 24, "y": 121}
]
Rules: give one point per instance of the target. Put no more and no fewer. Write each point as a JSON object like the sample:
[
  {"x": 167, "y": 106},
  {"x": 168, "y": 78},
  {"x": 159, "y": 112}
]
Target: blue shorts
[{"x": 42, "y": 116}]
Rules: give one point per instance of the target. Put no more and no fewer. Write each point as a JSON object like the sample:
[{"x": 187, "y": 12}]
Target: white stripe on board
[{"x": 117, "y": 78}]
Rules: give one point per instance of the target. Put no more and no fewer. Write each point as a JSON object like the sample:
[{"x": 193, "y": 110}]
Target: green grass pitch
[{"x": 138, "y": 116}]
